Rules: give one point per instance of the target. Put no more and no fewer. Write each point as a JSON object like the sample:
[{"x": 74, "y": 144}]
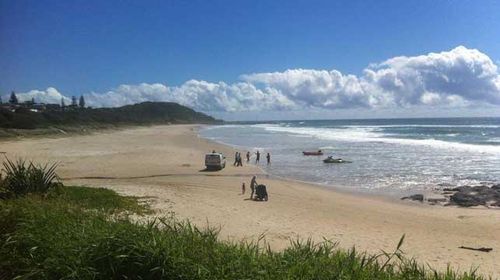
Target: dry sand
[{"x": 166, "y": 163}]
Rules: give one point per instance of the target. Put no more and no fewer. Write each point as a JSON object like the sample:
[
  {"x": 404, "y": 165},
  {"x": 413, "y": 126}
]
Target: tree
[
  {"x": 82, "y": 102},
  {"x": 32, "y": 100},
  {"x": 63, "y": 104},
  {"x": 13, "y": 98},
  {"x": 73, "y": 101}
]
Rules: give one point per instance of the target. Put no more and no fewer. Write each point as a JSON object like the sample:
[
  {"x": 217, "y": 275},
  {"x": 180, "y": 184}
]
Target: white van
[{"x": 215, "y": 161}]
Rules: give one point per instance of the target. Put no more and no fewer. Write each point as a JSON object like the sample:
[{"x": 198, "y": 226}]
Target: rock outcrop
[{"x": 464, "y": 196}]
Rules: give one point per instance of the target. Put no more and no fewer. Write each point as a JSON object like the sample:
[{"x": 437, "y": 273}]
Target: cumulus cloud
[
  {"x": 459, "y": 77},
  {"x": 50, "y": 95},
  {"x": 201, "y": 95},
  {"x": 455, "y": 77},
  {"x": 315, "y": 88}
]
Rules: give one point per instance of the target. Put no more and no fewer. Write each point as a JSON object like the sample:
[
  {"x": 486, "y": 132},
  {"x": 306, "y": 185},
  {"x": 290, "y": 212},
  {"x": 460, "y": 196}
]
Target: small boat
[
  {"x": 317, "y": 153},
  {"x": 335, "y": 160}
]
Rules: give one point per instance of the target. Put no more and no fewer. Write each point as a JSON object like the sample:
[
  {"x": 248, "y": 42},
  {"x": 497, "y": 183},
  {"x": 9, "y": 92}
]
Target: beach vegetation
[
  {"x": 91, "y": 233},
  {"x": 21, "y": 177}
]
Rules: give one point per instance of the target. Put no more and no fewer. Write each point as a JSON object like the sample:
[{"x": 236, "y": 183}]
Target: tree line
[{"x": 13, "y": 100}]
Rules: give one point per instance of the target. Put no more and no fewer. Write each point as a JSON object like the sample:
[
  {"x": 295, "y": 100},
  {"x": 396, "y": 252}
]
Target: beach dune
[{"x": 165, "y": 164}]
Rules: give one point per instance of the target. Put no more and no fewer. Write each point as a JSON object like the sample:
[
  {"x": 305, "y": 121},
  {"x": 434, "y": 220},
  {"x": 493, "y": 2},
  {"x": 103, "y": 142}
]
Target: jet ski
[{"x": 330, "y": 159}]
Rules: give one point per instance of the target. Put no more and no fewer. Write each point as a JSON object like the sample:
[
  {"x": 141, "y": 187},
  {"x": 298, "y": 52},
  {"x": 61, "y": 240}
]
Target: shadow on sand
[{"x": 209, "y": 170}]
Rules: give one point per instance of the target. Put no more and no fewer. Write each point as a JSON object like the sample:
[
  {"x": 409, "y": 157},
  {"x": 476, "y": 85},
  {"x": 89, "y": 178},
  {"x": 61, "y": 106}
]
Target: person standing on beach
[
  {"x": 243, "y": 188},
  {"x": 257, "y": 158},
  {"x": 268, "y": 157},
  {"x": 235, "y": 159},
  {"x": 248, "y": 156},
  {"x": 253, "y": 184},
  {"x": 239, "y": 161}
]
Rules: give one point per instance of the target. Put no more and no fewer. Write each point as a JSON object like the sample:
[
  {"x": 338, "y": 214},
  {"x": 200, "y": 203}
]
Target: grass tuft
[{"x": 22, "y": 177}]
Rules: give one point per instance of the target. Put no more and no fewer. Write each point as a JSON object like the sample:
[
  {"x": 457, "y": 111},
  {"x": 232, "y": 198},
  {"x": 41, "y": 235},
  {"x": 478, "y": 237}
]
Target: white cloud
[
  {"x": 201, "y": 95},
  {"x": 461, "y": 73},
  {"x": 128, "y": 94},
  {"x": 50, "y": 95},
  {"x": 456, "y": 78},
  {"x": 315, "y": 88}
]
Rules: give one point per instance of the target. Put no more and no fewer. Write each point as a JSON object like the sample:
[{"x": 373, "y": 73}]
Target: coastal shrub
[
  {"x": 61, "y": 237},
  {"x": 23, "y": 177}
]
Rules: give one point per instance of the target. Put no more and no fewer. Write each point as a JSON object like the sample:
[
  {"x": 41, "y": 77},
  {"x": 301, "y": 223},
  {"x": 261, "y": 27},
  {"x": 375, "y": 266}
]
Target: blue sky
[{"x": 95, "y": 47}]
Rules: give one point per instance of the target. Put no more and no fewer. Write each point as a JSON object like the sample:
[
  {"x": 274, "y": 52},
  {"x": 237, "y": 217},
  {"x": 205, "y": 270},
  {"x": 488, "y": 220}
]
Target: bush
[{"x": 23, "y": 177}]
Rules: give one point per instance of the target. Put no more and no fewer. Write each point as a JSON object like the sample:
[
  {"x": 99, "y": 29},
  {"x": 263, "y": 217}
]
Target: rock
[
  {"x": 481, "y": 188},
  {"x": 464, "y": 199},
  {"x": 467, "y": 196},
  {"x": 477, "y": 195},
  {"x": 462, "y": 188},
  {"x": 417, "y": 197}
]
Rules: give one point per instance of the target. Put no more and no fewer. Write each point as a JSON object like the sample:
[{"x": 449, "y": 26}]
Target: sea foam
[{"x": 372, "y": 134}]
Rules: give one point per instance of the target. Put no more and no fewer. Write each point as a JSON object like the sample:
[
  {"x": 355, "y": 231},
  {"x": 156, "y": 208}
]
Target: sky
[{"x": 255, "y": 60}]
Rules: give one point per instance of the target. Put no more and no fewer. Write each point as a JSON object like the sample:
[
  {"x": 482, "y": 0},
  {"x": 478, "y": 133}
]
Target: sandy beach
[{"x": 165, "y": 164}]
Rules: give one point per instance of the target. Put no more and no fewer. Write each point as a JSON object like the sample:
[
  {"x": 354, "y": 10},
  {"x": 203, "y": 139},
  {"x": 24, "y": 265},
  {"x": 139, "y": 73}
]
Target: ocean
[{"x": 388, "y": 156}]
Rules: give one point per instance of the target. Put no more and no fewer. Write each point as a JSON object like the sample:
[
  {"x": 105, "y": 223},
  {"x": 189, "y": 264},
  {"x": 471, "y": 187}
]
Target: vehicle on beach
[
  {"x": 316, "y": 153},
  {"x": 330, "y": 159},
  {"x": 215, "y": 161}
]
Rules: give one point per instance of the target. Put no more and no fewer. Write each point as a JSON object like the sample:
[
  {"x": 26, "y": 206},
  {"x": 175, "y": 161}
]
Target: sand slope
[{"x": 165, "y": 163}]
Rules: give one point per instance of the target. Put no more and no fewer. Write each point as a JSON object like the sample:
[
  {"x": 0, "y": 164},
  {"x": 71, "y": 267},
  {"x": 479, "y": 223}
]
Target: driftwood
[{"x": 482, "y": 249}]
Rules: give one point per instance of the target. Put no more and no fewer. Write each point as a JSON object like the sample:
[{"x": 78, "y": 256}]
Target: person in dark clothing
[
  {"x": 248, "y": 156},
  {"x": 257, "y": 158},
  {"x": 268, "y": 157},
  {"x": 253, "y": 184},
  {"x": 235, "y": 159},
  {"x": 239, "y": 162}
]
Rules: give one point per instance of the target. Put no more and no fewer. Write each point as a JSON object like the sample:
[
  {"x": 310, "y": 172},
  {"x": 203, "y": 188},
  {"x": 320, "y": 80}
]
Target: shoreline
[
  {"x": 434, "y": 195},
  {"x": 334, "y": 188},
  {"x": 325, "y": 187},
  {"x": 164, "y": 163},
  {"x": 395, "y": 197}
]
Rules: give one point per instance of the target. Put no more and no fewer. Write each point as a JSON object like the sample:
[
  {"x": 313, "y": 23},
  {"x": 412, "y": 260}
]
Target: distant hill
[{"x": 137, "y": 114}]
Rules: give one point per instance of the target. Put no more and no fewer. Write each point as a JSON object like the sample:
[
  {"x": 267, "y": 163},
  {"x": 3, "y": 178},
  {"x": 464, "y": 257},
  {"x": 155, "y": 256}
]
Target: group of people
[
  {"x": 238, "y": 160},
  {"x": 257, "y": 157}
]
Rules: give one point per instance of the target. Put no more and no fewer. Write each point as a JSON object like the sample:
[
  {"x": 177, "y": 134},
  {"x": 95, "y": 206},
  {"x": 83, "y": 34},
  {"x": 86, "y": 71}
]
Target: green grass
[
  {"x": 102, "y": 199},
  {"x": 76, "y": 234}
]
